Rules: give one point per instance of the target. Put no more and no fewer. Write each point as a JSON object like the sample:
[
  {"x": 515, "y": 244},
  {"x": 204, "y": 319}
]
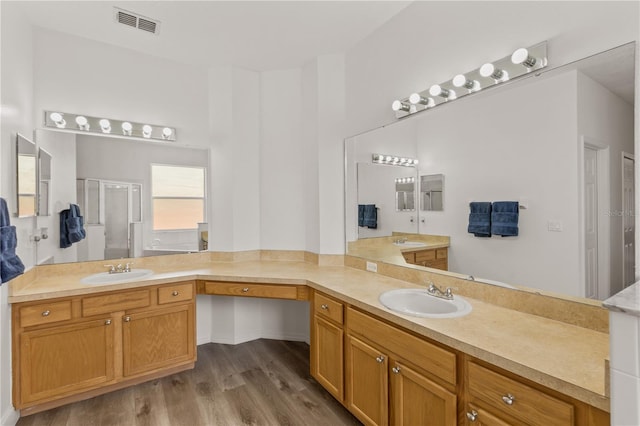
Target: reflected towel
[
  {"x": 504, "y": 218},
  {"x": 71, "y": 226},
  {"x": 370, "y": 216},
  {"x": 10, "y": 264},
  {"x": 360, "y": 214},
  {"x": 480, "y": 218}
]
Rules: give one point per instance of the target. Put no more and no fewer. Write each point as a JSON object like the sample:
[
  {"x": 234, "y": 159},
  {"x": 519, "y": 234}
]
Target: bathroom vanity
[{"x": 493, "y": 366}]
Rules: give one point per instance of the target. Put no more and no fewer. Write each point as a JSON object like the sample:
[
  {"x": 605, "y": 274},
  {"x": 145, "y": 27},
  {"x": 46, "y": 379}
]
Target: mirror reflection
[
  {"x": 556, "y": 144},
  {"x": 137, "y": 198},
  {"x": 405, "y": 194},
  {"x": 26, "y": 161},
  {"x": 44, "y": 182},
  {"x": 431, "y": 192}
]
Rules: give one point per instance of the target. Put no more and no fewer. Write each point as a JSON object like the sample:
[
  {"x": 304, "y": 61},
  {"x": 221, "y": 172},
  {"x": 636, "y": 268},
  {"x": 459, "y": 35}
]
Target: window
[{"x": 178, "y": 197}]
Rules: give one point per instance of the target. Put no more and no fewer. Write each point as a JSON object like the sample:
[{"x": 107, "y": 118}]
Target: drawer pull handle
[
  {"x": 107, "y": 322},
  {"x": 472, "y": 415},
  {"x": 380, "y": 359},
  {"x": 175, "y": 293},
  {"x": 325, "y": 307},
  {"x": 46, "y": 313},
  {"x": 245, "y": 290},
  {"x": 127, "y": 319},
  {"x": 508, "y": 399},
  {"x": 396, "y": 370}
]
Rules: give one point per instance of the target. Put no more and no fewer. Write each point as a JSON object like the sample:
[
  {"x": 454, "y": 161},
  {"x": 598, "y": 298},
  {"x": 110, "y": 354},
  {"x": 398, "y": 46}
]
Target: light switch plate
[
  {"x": 554, "y": 226},
  {"x": 372, "y": 267}
]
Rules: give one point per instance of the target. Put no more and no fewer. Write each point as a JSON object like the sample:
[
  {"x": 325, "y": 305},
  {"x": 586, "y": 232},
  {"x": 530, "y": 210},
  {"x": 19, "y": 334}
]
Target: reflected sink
[
  {"x": 411, "y": 244},
  {"x": 418, "y": 303},
  {"x": 118, "y": 277}
]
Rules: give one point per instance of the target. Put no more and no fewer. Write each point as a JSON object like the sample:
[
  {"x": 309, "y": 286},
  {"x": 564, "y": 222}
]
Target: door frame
[{"x": 604, "y": 205}]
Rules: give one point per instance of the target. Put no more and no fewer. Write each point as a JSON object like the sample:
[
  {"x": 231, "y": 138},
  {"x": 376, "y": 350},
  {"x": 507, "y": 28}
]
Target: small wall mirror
[
  {"x": 431, "y": 192},
  {"x": 405, "y": 194},
  {"x": 26, "y": 176},
  {"x": 44, "y": 182}
]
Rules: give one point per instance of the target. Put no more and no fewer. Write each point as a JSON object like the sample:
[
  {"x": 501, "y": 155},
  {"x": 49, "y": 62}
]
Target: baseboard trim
[{"x": 10, "y": 417}]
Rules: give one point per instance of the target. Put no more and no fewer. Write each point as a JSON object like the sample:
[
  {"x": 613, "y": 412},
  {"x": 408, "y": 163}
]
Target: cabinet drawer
[
  {"x": 272, "y": 291},
  {"x": 107, "y": 303},
  {"x": 425, "y": 255},
  {"x": 517, "y": 399},
  {"x": 328, "y": 308},
  {"x": 409, "y": 257},
  {"x": 45, "y": 313},
  {"x": 431, "y": 358},
  {"x": 441, "y": 253},
  {"x": 175, "y": 293}
]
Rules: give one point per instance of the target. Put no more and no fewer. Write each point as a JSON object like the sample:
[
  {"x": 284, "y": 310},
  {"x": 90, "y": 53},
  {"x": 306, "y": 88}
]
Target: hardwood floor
[{"x": 263, "y": 382}]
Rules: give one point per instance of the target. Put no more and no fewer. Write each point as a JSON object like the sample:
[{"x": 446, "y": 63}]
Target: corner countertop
[
  {"x": 384, "y": 249},
  {"x": 561, "y": 356},
  {"x": 627, "y": 301}
]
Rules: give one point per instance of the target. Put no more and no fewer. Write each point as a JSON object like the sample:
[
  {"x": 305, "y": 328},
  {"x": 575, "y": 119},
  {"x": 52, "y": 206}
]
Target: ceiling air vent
[{"x": 136, "y": 21}]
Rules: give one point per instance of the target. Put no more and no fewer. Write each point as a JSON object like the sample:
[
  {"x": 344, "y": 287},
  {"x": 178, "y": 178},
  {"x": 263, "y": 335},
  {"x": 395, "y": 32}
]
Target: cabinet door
[
  {"x": 367, "y": 383},
  {"x": 62, "y": 360},
  {"x": 327, "y": 347},
  {"x": 158, "y": 339},
  {"x": 418, "y": 400}
]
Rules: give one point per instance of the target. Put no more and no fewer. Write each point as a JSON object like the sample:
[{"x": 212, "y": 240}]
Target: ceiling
[{"x": 255, "y": 35}]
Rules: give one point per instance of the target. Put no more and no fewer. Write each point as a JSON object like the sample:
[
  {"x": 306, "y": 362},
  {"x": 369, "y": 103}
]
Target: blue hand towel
[
  {"x": 360, "y": 214},
  {"x": 10, "y": 264},
  {"x": 370, "y": 216},
  {"x": 504, "y": 218},
  {"x": 480, "y": 219},
  {"x": 64, "y": 230},
  {"x": 75, "y": 224}
]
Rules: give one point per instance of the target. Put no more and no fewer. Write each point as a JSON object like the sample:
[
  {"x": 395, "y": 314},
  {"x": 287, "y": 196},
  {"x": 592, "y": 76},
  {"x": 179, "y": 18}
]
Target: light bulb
[
  {"x": 126, "y": 128},
  {"x": 416, "y": 98},
  {"x": 82, "y": 122},
  {"x": 388, "y": 158},
  {"x": 57, "y": 118},
  {"x": 105, "y": 125},
  {"x": 399, "y": 106},
  {"x": 166, "y": 133},
  {"x": 488, "y": 70},
  {"x": 415, "y": 161},
  {"x": 461, "y": 81},
  {"x": 437, "y": 90},
  {"x": 146, "y": 131},
  {"x": 521, "y": 56}
]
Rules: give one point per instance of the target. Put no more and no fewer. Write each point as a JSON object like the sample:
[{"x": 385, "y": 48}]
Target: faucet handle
[
  {"x": 112, "y": 268},
  {"x": 448, "y": 294},
  {"x": 127, "y": 267}
]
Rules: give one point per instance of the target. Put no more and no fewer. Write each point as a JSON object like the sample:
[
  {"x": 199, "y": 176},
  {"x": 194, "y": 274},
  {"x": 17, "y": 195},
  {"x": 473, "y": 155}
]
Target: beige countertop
[
  {"x": 560, "y": 356},
  {"x": 384, "y": 249}
]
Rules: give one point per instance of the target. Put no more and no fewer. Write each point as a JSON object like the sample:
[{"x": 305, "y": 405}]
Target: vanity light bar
[
  {"x": 405, "y": 180},
  {"x": 394, "y": 160},
  {"x": 523, "y": 61},
  {"x": 78, "y": 123}
]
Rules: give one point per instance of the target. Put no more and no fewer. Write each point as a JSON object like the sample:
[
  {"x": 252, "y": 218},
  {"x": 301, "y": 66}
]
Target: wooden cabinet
[
  {"x": 431, "y": 258},
  {"x": 265, "y": 290},
  {"x": 72, "y": 348},
  {"x": 327, "y": 344},
  {"x": 393, "y": 376}
]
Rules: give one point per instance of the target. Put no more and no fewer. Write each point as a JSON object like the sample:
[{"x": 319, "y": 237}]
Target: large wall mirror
[
  {"x": 558, "y": 143},
  {"x": 138, "y": 198}
]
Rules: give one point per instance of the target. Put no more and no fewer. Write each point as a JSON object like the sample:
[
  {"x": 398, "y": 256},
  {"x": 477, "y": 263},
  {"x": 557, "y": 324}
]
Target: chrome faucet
[
  {"x": 434, "y": 290},
  {"x": 400, "y": 241},
  {"x": 118, "y": 269}
]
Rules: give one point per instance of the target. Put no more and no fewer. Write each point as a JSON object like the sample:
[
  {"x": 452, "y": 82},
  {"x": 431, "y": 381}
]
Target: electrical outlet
[{"x": 372, "y": 267}]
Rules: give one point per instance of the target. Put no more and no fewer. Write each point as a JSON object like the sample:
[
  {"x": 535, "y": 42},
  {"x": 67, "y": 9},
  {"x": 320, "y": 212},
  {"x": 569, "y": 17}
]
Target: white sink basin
[
  {"x": 411, "y": 244},
  {"x": 418, "y": 303},
  {"x": 118, "y": 277}
]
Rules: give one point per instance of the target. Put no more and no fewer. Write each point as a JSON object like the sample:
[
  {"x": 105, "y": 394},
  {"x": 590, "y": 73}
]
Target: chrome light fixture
[
  {"x": 521, "y": 62},
  {"x": 108, "y": 126},
  {"x": 393, "y": 160}
]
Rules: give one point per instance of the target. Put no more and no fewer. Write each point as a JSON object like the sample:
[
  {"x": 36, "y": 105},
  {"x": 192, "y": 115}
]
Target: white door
[
  {"x": 628, "y": 220},
  {"x": 591, "y": 222}
]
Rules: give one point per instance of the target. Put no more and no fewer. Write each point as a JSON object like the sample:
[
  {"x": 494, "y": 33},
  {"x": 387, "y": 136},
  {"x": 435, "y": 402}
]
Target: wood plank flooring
[{"x": 263, "y": 382}]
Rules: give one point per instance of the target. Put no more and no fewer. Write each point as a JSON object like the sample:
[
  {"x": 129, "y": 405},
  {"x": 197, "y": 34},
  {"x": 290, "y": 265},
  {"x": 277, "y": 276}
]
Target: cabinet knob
[
  {"x": 107, "y": 322},
  {"x": 246, "y": 289},
  {"x": 472, "y": 415},
  {"x": 508, "y": 399},
  {"x": 396, "y": 370},
  {"x": 127, "y": 319},
  {"x": 325, "y": 307},
  {"x": 175, "y": 293},
  {"x": 46, "y": 313},
  {"x": 380, "y": 359}
]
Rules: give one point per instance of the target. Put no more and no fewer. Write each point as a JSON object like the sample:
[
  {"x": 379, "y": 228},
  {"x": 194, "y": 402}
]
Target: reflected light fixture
[
  {"x": 521, "y": 56},
  {"x": 461, "y": 81},
  {"x": 146, "y": 131},
  {"x": 82, "y": 122},
  {"x": 105, "y": 125},
  {"x": 400, "y": 106},
  {"x": 394, "y": 160},
  {"x": 416, "y": 99},
  {"x": 127, "y": 128},
  {"x": 166, "y": 133},
  {"x": 437, "y": 90},
  {"x": 489, "y": 70},
  {"x": 58, "y": 120}
]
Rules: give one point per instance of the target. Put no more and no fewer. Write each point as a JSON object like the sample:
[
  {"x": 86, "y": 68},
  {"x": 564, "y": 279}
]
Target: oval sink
[
  {"x": 417, "y": 302},
  {"x": 411, "y": 244},
  {"x": 118, "y": 277}
]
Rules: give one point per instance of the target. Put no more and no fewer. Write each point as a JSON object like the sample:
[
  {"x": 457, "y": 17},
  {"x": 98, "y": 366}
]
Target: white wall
[
  {"x": 16, "y": 73},
  {"x": 608, "y": 120}
]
